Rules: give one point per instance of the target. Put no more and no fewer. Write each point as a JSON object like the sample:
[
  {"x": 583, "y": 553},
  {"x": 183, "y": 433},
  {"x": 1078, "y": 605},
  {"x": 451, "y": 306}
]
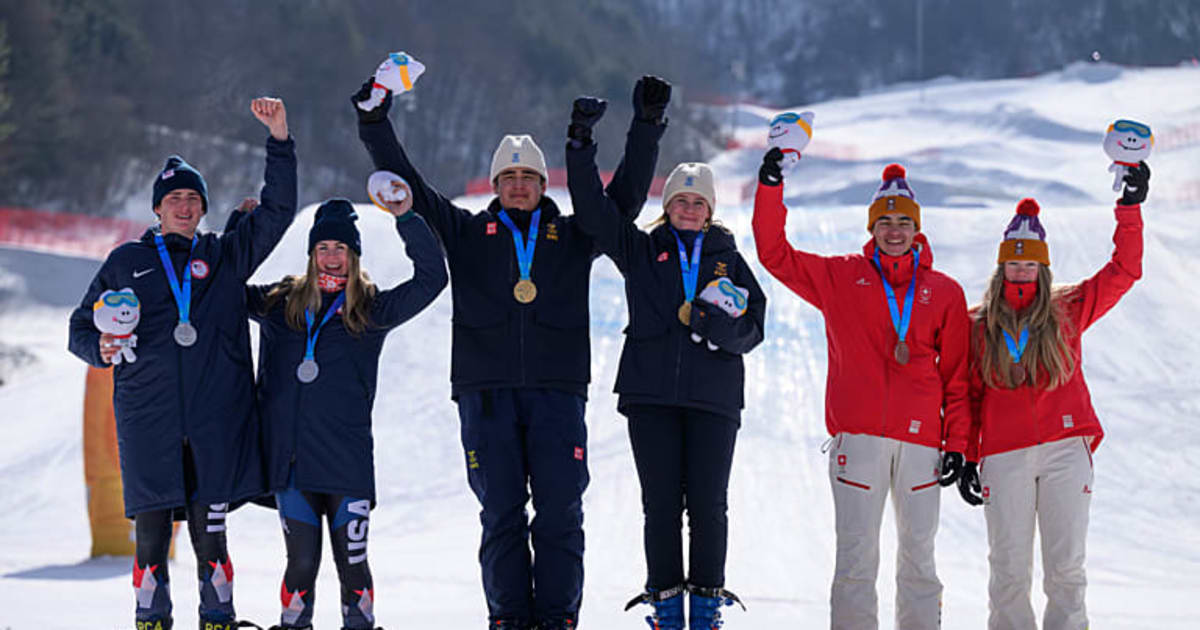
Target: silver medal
[
  {"x": 185, "y": 334},
  {"x": 307, "y": 371}
]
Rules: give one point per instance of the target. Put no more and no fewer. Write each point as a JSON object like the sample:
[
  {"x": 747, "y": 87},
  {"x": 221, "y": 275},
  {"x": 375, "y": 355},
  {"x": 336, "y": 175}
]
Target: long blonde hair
[
  {"x": 302, "y": 292},
  {"x": 1047, "y": 359}
]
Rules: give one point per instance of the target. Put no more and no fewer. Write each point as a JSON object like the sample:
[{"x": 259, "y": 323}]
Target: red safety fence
[
  {"x": 557, "y": 179},
  {"x": 65, "y": 233}
]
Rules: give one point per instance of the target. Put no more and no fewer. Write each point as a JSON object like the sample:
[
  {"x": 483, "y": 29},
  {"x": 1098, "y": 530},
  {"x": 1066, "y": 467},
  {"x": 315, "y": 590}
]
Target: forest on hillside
[{"x": 95, "y": 93}]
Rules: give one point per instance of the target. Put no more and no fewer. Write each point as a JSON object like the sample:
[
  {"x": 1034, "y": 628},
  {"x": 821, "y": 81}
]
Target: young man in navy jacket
[
  {"x": 520, "y": 358},
  {"x": 186, "y": 427}
]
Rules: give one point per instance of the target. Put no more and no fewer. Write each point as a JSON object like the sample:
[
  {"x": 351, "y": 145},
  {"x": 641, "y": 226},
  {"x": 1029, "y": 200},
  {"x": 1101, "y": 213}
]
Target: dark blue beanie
[
  {"x": 175, "y": 175},
  {"x": 335, "y": 222}
]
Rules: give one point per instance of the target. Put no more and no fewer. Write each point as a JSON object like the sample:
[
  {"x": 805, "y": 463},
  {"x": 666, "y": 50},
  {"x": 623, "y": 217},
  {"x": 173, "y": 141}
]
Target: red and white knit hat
[
  {"x": 1025, "y": 238},
  {"x": 894, "y": 196}
]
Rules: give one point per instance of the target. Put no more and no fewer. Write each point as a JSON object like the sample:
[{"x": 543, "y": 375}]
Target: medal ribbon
[
  {"x": 689, "y": 267},
  {"x": 1016, "y": 348},
  {"x": 183, "y": 296},
  {"x": 311, "y": 335},
  {"x": 524, "y": 250},
  {"x": 900, "y": 323}
]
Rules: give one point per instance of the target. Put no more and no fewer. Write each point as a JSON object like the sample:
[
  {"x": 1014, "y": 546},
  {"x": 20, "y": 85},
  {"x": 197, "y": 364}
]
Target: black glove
[
  {"x": 1137, "y": 184},
  {"x": 771, "y": 171},
  {"x": 650, "y": 97},
  {"x": 585, "y": 113},
  {"x": 952, "y": 464},
  {"x": 364, "y": 93},
  {"x": 968, "y": 484}
]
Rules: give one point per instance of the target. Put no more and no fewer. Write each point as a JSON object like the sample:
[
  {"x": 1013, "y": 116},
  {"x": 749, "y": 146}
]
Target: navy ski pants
[
  {"x": 520, "y": 443},
  {"x": 683, "y": 459}
]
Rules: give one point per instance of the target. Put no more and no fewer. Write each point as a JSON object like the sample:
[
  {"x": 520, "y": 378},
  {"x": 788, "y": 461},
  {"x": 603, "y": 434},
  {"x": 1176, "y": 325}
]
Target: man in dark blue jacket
[
  {"x": 186, "y": 427},
  {"x": 520, "y": 359}
]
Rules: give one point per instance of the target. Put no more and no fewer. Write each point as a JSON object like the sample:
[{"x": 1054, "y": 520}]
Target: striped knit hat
[
  {"x": 1025, "y": 238},
  {"x": 894, "y": 196}
]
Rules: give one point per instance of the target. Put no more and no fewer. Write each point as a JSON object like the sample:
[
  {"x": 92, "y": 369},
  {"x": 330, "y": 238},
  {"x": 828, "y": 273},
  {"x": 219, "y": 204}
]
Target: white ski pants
[
  {"x": 862, "y": 470},
  {"x": 1052, "y": 484}
]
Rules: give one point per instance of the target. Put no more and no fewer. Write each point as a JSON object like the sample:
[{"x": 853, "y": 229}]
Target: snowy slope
[{"x": 972, "y": 149}]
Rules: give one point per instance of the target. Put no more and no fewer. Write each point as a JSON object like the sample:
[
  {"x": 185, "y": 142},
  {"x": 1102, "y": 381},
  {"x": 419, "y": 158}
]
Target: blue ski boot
[
  {"x": 705, "y": 606},
  {"x": 668, "y": 607}
]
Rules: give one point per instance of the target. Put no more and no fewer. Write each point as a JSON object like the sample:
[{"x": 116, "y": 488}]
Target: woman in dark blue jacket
[
  {"x": 694, "y": 310},
  {"x": 320, "y": 338}
]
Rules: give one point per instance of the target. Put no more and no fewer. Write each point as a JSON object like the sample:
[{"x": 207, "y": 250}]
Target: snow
[{"x": 972, "y": 149}]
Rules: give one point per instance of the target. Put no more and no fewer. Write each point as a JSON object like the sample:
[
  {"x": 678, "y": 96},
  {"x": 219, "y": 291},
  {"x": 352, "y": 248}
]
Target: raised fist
[
  {"x": 584, "y": 114},
  {"x": 1137, "y": 185},
  {"x": 650, "y": 97},
  {"x": 379, "y": 113},
  {"x": 771, "y": 171},
  {"x": 272, "y": 113}
]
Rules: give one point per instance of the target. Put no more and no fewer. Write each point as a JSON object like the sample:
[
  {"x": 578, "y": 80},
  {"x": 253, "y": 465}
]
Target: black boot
[
  {"x": 206, "y": 624},
  {"x": 155, "y": 624}
]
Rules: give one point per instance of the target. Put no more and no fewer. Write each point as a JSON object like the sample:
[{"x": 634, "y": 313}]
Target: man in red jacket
[{"x": 896, "y": 393}]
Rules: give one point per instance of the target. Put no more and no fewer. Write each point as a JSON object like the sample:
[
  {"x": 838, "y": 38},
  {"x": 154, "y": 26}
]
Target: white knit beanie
[
  {"x": 691, "y": 177},
  {"x": 518, "y": 152}
]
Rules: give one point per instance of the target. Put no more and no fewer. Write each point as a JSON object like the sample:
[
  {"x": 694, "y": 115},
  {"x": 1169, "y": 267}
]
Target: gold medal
[
  {"x": 525, "y": 290},
  {"x": 1017, "y": 372},
  {"x": 685, "y": 313},
  {"x": 901, "y": 352}
]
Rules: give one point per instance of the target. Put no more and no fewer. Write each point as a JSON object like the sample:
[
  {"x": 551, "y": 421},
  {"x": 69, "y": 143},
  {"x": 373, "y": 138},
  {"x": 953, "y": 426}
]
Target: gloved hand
[
  {"x": 584, "y": 114},
  {"x": 1137, "y": 184},
  {"x": 650, "y": 97},
  {"x": 375, "y": 115},
  {"x": 771, "y": 171},
  {"x": 968, "y": 484},
  {"x": 952, "y": 464}
]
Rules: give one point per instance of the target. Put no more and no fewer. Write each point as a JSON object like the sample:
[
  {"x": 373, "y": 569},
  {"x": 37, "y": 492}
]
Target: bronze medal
[
  {"x": 525, "y": 291},
  {"x": 685, "y": 313},
  {"x": 901, "y": 352},
  {"x": 1017, "y": 372}
]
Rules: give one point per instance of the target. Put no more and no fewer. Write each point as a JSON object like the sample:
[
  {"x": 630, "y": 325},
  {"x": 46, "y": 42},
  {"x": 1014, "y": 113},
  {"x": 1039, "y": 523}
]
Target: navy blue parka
[
  {"x": 200, "y": 397},
  {"x": 497, "y": 341},
  {"x": 660, "y": 364},
  {"x": 322, "y": 429}
]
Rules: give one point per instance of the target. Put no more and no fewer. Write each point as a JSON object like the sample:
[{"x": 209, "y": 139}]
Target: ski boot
[
  {"x": 668, "y": 607},
  {"x": 154, "y": 624},
  {"x": 705, "y": 606},
  {"x": 233, "y": 624}
]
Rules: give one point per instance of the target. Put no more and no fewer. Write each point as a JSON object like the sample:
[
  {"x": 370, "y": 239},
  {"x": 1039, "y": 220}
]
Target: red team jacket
[
  {"x": 867, "y": 391},
  {"x": 1008, "y": 419}
]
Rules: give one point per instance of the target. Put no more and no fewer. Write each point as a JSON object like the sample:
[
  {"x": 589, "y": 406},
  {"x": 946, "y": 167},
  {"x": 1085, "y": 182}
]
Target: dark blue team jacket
[
  {"x": 202, "y": 396},
  {"x": 498, "y": 342}
]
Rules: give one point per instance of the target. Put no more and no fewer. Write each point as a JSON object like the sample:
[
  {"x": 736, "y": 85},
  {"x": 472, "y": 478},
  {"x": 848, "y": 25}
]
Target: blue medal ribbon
[
  {"x": 900, "y": 323},
  {"x": 524, "y": 250},
  {"x": 311, "y": 335},
  {"x": 689, "y": 267},
  {"x": 1016, "y": 348},
  {"x": 183, "y": 295}
]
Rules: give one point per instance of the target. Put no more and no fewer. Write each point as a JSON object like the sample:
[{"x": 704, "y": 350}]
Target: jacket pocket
[
  {"x": 560, "y": 348},
  {"x": 646, "y": 360},
  {"x": 716, "y": 376}
]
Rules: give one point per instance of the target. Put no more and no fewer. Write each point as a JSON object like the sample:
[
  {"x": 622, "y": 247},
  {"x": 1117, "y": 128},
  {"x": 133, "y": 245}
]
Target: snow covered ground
[{"x": 972, "y": 150}]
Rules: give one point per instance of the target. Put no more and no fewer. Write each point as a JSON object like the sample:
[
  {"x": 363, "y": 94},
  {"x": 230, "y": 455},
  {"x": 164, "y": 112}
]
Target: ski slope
[{"x": 972, "y": 149}]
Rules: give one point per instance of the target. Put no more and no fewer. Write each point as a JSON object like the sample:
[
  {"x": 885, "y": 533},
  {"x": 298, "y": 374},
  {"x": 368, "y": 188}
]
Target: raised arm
[
  {"x": 737, "y": 335},
  {"x": 378, "y": 136},
  {"x": 631, "y": 182},
  {"x": 802, "y": 272},
  {"x": 257, "y": 234},
  {"x": 397, "y": 305}
]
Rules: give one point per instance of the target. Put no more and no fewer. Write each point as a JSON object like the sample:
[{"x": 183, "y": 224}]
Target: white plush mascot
[
  {"x": 118, "y": 313},
  {"x": 728, "y": 296},
  {"x": 791, "y": 132},
  {"x": 396, "y": 74},
  {"x": 1126, "y": 142},
  {"x": 386, "y": 186}
]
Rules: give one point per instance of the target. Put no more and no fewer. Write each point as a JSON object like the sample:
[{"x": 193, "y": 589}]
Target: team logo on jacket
[
  {"x": 551, "y": 231},
  {"x": 579, "y": 453},
  {"x": 914, "y": 426},
  {"x": 663, "y": 257},
  {"x": 863, "y": 282},
  {"x": 721, "y": 270},
  {"x": 199, "y": 269},
  {"x": 925, "y": 296},
  {"x": 491, "y": 228}
]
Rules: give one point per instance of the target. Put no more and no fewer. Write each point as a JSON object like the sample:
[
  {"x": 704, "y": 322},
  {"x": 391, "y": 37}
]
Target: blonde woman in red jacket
[
  {"x": 1034, "y": 429},
  {"x": 896, "y": 394}
]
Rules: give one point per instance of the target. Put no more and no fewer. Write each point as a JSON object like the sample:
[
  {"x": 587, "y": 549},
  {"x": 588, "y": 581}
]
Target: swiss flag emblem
[
  {"x": 491, "y": 228},
  {"x": 663, "y": 257},
  {"x": 579, "y": 453},
  {"x": 841, "y": 460},
  {"x": 987, "y": 492}
]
